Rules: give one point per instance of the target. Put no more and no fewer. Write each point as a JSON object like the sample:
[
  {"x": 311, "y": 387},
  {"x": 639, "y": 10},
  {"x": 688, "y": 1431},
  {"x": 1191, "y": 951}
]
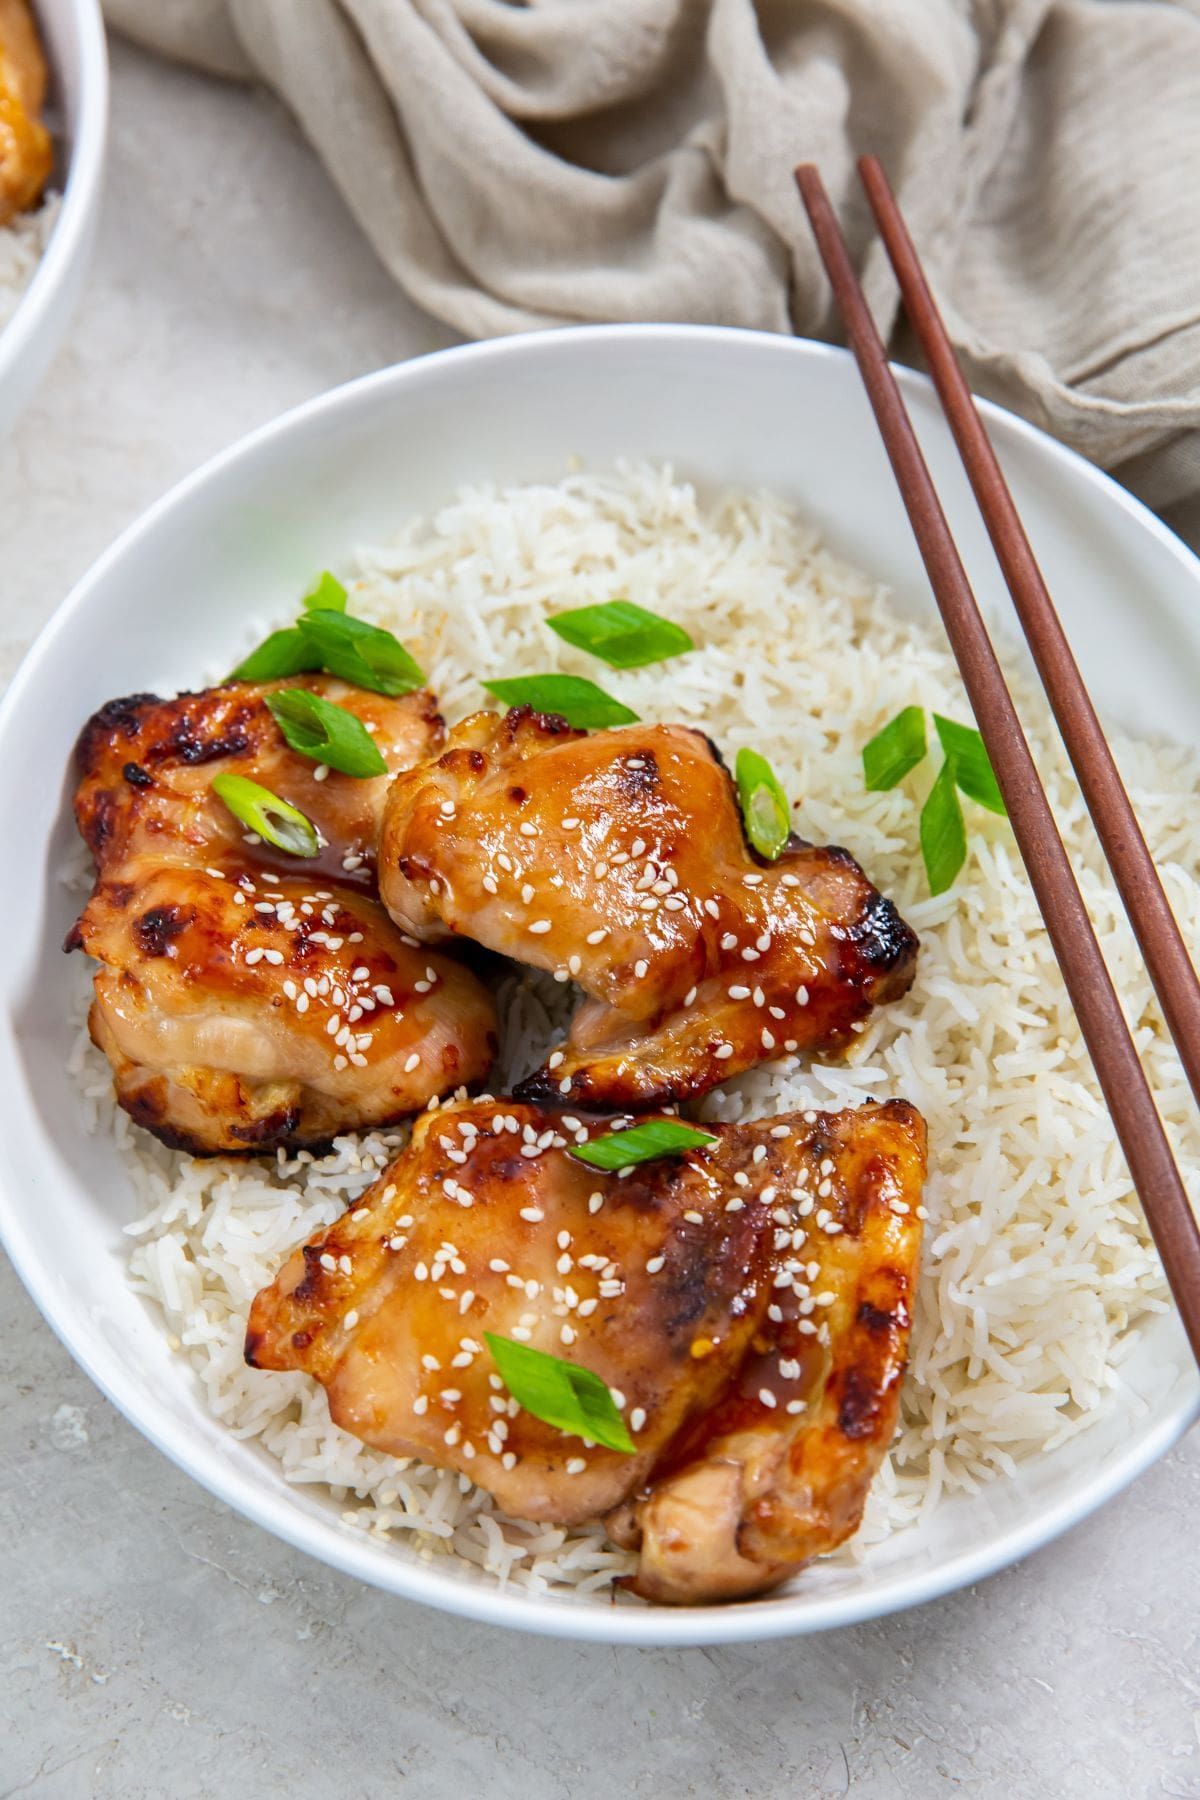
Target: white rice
[
  {"x": 22, "y": 245},
  {"x": 1038, "y": 1268}
]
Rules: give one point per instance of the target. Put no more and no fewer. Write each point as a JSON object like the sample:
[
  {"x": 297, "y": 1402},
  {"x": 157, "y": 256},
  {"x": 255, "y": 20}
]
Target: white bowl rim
[
  {"x": 81, "y": 194},
  {"x": 753, "y": 1620}
]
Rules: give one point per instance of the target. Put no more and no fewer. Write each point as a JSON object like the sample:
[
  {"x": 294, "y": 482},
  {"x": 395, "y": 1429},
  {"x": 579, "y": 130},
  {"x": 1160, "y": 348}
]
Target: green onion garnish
[
  {"x": 326, "y": 594},
  {"x": 562, "y": 1394},
  {"x": 264, "y": 812},
  {"x": 972, "y": 768},
  {"x": 657, "y": 1137},
  {"x": 327, "y": 733},
  {"x": 764, "y": 804},
  {"x": 899, "y": 747},
  {"x": 579, "y": 702},
  {"x": 621, "y": 634},
  {"x": 897, "y": 750},
  {"x": 943, "y": 835},
  {"x": 360, "y": 653},
  {"x": 284, "y": 653}
]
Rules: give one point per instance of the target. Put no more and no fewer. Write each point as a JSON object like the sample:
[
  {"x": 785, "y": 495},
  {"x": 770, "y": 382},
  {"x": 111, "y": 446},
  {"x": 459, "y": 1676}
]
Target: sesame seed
[
  {"x": 641, "y": 968},
  {"x": 253, "y": 956},
  {"x": 567, "y": 1334},
  {"x": 327, "y": 1261},
  {"x": 637, "y": 1418},
  {"x": 729, "y": 941},
  {"x": 491, "y": 884},
  {"x": 739, "y": 993},
  {"x": 528, "y": 830},
  {"x": 767, "y": 1397},
  {"x": 595, "y": 1202},
  {"x": 521, "y": 1333},
  {"x": 734, "y": 1205},
  {"x": 345, "y": 1265},
  {"x": 781, "y": 1131},
  {"x": 690, "y": 996},
  {"x": 712, "y": 909},
  {"x": 768, "y": 1040},
  {"x": 421, "y": 1404},
  {"x": 498, "y": 1265},
  {"x": 655, "y": 1264},
  {"x": 539, "y": 926},
  {"x": 526, "y": 894},
  {"x": 723, "y": 1051},
  {"x": 412, "y": 1062},
  {"x": 749, "y": 955},
  {"x": 638, "y": 847},
  {"x": 508, "y": 1460},
  {"x": 795, "y": 1406},
  {"x": 534, "y": 1214}
]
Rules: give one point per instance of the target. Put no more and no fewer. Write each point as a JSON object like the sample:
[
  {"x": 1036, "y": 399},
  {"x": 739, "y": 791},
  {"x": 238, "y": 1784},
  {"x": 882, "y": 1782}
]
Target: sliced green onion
[
  {"x": 264, "y": 812},
  {"x": 327, "y": 733},
  {"x": 326, "y": 594},
  {"x": 284, "y": 653},
  {"x": 621, "y": 634},
  {"x": 657, "y": 1137},
  {"x": 943, "y": 835},
  {"x": 360, "y": 653},
  {"x": 579, "y": 702},
  {"x": 896, "y": 750},
  {"x": 972, "y": 767},
  {"x": 763, "y": 803},
  {"x": 562, "y": 1394}
]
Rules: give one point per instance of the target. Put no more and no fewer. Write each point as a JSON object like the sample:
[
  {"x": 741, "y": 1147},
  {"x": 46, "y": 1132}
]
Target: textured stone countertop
[{"x": 153, "y": 1646}]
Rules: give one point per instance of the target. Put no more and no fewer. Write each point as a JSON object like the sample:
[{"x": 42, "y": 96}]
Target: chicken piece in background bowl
[
  {"x": 745, "y": 1304},
  {"x": 26, "y": 150}
]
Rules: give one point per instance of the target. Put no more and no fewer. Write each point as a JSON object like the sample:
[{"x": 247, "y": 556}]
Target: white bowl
[
  {"x": 73, "y": 34},
  {"x": 240, "y": 538}
]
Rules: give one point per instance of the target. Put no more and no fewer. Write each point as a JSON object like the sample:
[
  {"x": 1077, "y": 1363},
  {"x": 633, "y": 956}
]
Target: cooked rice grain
[{"x": 22, "y": 245}]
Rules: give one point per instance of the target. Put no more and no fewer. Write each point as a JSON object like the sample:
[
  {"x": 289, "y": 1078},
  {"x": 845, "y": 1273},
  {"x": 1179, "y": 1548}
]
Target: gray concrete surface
[{"x": 155, "y": 1647}]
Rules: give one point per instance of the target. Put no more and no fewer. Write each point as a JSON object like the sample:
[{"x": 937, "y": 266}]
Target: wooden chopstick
[
  {"x": 1118, "y": 1068},
  {"x": 1138, "y": 882}
]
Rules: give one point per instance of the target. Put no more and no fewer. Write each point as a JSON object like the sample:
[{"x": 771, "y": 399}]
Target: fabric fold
[{"x": 519, "y": 166}]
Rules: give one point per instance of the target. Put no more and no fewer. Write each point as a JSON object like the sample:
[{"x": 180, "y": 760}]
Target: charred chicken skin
[
  {"x": 247, "y": 998},
  {"x": 618, "y": 860},
  {"x": 747, "y": 1303}
]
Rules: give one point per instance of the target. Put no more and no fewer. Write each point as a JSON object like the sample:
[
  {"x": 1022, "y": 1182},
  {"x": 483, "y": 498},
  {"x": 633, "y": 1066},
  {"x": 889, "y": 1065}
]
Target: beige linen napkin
[{"x": 520, "y": 165}]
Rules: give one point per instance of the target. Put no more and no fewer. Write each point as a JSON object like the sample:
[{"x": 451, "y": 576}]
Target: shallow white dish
[
  {"x": 241, "y": 538},
  {"x": 73, "y": 35}
]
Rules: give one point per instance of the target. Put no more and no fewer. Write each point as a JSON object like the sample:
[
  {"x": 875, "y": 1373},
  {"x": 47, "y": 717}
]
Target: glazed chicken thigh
[
  {"x": 618, "y": 860},
  {"x": 248, "y": 998},
  {"x": 145, "y": 770},
  {"x": 746, "y": 1302}
]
